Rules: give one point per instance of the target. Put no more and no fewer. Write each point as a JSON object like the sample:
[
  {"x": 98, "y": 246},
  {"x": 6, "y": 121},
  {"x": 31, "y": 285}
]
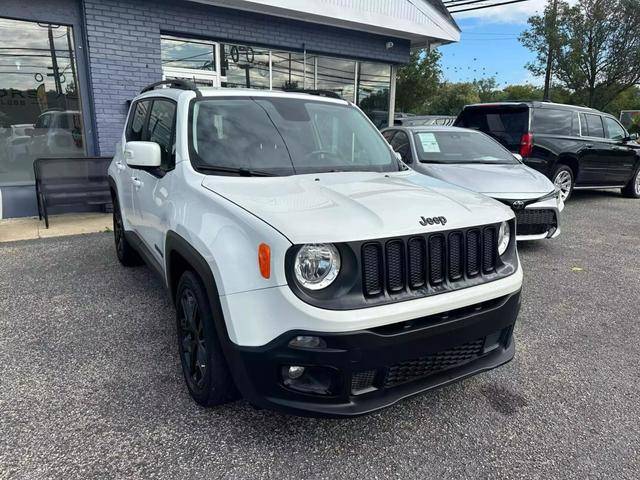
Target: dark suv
[{"x": 576, "y": 147}]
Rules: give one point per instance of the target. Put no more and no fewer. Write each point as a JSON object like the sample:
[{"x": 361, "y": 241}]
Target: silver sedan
[{"x": 475, "y": 161}]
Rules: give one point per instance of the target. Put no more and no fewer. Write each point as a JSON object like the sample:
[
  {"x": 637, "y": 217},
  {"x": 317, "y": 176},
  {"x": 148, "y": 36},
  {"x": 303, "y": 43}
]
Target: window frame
[
  {"x": 156, "y": 171},
  {"x": 606, "y": 129},
  {"x": 586, "y": 124}
]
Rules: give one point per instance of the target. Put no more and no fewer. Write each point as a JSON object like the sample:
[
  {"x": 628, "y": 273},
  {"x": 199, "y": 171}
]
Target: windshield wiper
[{"x": 240, "y": 171}]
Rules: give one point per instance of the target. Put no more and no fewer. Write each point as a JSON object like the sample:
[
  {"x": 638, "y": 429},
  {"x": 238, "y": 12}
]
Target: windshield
[
  {"x": 460, "y": 147},
  {"x": 285, "y": 136}
]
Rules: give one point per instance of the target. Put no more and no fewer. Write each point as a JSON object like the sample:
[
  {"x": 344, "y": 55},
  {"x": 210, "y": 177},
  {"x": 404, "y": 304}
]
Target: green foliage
[
  {"x": 595, "y": 46},
  {"x": 418, "y": 81},
  {"x": 451, "y": 97}
]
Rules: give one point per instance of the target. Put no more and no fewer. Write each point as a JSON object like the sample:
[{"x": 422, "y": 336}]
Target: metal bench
[{"x": 71, "y": 182}]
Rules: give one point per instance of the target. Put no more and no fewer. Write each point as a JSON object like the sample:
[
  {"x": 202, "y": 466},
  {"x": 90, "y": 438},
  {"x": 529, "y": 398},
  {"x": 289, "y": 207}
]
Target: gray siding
[{"x": 124, "y": 46}]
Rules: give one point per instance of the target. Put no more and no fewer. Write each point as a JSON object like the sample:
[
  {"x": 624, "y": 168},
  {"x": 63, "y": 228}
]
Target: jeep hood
[
  {"x": 351, "y": 206},
  {"x": 516, "y": 179}
]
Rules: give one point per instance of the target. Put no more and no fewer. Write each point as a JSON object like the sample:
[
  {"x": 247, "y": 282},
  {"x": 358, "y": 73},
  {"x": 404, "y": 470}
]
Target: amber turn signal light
[{"x": 264, "y": 260}]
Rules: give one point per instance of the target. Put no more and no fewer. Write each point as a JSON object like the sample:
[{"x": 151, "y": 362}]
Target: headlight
[
  {"x": 317, "y": 265},
  {"x": 504, "y": 237}
]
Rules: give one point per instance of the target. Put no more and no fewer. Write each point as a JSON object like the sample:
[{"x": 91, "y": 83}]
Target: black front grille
[
  {"x": 428, "y": 365},
  {"x": 439, "y": 260},
  {"x": 535, "y": 221}
]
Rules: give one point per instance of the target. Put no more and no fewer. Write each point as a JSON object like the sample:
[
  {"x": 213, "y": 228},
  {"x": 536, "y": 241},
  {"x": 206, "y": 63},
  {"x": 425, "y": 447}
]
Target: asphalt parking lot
[{"x": 91, "y": 387}]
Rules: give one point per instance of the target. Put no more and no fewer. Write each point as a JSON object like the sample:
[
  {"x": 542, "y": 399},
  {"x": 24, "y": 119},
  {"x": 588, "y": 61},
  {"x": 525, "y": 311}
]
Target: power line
[{"x": 487, "y": 6}]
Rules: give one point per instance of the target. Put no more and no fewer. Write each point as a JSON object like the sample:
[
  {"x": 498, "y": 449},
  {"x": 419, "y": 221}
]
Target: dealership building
[{"x": 68, "y": 68}]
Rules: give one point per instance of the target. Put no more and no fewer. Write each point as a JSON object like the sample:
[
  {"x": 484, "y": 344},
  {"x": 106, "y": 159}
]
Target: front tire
[
  {"x": 563, "y": 179},
  {"x": 203, "y": 364},
  {"x": 125, "y": 252},
  {"x": 632, "y": 190}
]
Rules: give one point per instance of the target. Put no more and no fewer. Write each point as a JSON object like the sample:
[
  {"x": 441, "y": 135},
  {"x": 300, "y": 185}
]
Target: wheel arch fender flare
[{"x": 181, "y": 255}]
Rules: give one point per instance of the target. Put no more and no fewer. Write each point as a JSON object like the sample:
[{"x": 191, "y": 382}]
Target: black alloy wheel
[
  {"x": 125, "y": 252},
  {"x": 205, "y": 369},
  {"x": 192, "y": 341},
  {"x": 118, "y": 231}
]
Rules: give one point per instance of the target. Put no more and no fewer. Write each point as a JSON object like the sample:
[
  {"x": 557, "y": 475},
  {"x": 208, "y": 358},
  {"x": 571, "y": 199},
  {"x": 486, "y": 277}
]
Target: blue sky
[{"x": 489, "y": 45}]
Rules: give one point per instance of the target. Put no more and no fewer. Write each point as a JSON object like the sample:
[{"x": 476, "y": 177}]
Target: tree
[
  {"x": 452, "y": 97},
  {"x": 418, "y": 81},
  {"x": 597, "y": 47},
  {"x": 487, "y": 89}
]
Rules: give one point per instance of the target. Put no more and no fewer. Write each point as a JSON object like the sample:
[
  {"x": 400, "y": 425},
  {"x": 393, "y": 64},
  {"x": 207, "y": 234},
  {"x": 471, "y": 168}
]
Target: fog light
[
  {"x": 305, "y": 341},
  {"x": 313, "y": 380},
  {"x": 295, "y": 372}
]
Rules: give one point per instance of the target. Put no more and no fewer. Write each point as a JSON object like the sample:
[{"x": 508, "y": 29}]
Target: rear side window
[
  {"x": 136, "y": 124},
  {"x": 553, "y": 122},
  {"x": 507, "y": 125},
  {"x": 160, "y": 130},
  {"x": 593, "y": 125}
]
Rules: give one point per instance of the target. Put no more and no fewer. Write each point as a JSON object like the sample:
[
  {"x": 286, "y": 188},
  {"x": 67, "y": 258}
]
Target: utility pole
[{"x": 551, "y": 48}]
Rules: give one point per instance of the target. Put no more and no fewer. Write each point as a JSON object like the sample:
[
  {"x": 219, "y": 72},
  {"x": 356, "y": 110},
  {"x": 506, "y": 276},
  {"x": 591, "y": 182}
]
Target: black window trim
[{"x": 155, "y": 171}]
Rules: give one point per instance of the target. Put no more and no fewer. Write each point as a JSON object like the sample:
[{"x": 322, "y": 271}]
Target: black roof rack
[
  {"x": 174, "y": 83},
  {"x": 318, "y": 93}
]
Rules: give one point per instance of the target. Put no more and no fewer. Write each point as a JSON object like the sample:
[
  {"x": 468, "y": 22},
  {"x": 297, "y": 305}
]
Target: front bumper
[
  {"x": 530, "y": 212},
  {"x": 374, "y": 368}
]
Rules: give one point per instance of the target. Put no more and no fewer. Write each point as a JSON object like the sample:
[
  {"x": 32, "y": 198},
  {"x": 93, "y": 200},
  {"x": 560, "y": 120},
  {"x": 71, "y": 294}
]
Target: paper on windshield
[{"x": 429, "y": 143}]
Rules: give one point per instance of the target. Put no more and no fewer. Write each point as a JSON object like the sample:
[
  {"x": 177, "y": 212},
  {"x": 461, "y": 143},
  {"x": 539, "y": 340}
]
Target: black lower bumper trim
[{"x": 370, "y": 369}]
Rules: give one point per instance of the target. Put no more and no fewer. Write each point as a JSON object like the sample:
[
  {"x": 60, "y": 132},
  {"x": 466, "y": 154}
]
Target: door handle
[
  {"x": 120, "y": 165},
  {"x": 136, "y": 182},
  {"x": 589, "y": 145}
]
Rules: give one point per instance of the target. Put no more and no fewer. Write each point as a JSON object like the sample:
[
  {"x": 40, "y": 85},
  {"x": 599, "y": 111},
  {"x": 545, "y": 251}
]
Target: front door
[
  {"x": 621, "y": 157},
  {"x": 152, "y": 186}
]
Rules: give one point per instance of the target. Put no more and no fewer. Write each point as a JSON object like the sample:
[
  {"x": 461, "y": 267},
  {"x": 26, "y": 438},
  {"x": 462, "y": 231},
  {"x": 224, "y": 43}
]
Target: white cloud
[{"x": 517, "y": 13}]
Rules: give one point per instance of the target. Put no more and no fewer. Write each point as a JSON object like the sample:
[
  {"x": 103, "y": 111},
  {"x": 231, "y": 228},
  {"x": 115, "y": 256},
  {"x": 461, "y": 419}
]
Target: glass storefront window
[
  {"x": 374, "y": 80},
  {"x": 181, "y": 53},
  {"x": 40, "y": 112},
  {"x": 289, "y": 71},
  {"x": 245, "y": 66},
  {"x": 337, "y": 75}
]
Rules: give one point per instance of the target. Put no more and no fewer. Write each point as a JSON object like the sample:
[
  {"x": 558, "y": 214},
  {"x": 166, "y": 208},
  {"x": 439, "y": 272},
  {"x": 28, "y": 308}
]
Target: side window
[
  {"x": 400, "y": 144},
  {"x": 161, "y": 128},
  {"x": 594, "y": 125},
  {"x": 553, "y": 122},
  {"x": 388, "y": 135},
  {"x": 614, "y": 129},
  {"x": 136, "y": 123}
]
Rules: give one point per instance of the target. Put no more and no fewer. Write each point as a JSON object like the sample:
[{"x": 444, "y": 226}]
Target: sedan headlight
[
  {"x": 317, "y": 265},
  {"x": 504, "y": 237}
]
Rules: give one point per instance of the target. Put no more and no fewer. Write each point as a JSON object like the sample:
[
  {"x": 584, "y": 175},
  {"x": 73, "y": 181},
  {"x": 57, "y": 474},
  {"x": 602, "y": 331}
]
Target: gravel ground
[{"x": 91, "y": 387}]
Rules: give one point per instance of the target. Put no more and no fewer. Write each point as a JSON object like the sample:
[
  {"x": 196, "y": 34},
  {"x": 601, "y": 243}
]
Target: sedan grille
[
  {"x": 439, "y": 261},
  {"x": 535, "y": 221}
]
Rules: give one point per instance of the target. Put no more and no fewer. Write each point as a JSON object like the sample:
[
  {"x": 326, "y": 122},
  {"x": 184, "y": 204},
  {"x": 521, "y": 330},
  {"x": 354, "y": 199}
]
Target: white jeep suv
[{"x": 311, "y": 271}]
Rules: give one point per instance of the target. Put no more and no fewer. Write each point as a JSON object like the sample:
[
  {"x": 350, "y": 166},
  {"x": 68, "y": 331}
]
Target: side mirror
[
  {"x": 633, "y": 137},
  {"x": 142, "y": 154},
  {"x": 518, "y": 157}
]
